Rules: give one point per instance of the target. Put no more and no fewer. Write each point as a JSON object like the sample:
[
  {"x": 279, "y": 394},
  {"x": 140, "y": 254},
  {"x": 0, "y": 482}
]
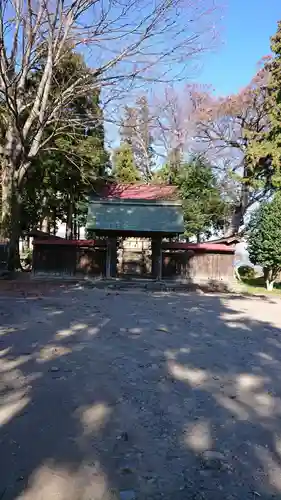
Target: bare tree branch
[{"x": 123, "y": 43}]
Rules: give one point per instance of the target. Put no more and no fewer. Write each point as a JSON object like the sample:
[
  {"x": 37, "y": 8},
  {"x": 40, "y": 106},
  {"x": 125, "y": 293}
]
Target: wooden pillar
[
  {"x": 108, "y": 259},
  {"x": 111, "y": 257},
  {"x": 156, "y": 250},
  {"x": 114, "y": 257}
]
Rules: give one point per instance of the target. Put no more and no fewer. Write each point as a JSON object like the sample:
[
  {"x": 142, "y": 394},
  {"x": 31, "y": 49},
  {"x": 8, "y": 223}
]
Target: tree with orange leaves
[{"x": 225, "y": 129}]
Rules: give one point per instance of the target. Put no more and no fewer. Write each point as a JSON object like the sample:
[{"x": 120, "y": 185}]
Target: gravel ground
[{"x": 139, "y": 395}]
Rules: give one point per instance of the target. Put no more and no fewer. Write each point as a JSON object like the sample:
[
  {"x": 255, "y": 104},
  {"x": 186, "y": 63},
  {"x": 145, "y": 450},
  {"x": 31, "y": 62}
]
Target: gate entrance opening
[{"x": 134, "y": 257}]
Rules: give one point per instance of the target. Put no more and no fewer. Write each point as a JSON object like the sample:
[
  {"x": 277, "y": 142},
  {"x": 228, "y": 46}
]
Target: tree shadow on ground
[{"x": 106, "y": 392}]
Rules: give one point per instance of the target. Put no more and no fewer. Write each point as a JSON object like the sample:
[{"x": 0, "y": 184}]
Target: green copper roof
[{"x": 135, "y": 215}]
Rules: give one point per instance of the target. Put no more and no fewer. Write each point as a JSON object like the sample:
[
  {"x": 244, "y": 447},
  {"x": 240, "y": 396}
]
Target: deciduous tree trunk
[
  {"x": 269, "y": 285},
  {"x": 238, "y": 214},
  {"x": 270, "y": 276},
  {"x": 236, "y": 220},
  {"x": 75, "y": 225},
  {"x": 10, "y": 217},
  {"x": 46, "y": 225},
  {"x": 69, "y": 222},
  {"x": 54, "y": 221},
  {"x": 25, "y": 244}
]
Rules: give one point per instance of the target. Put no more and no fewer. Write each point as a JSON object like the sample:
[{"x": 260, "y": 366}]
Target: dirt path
[{"x": 138, "y": 395}]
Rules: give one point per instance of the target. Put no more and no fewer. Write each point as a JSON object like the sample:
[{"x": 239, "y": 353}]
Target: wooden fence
[
  {"x": 194, "y": 263},
  {"x": 69, "y": 257},
  {"x": 197, "y": 263},
  {"x": 4, "y": 252}
]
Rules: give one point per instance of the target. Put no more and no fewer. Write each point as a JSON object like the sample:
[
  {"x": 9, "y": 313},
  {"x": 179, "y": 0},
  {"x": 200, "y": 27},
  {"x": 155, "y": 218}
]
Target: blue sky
[{"x": 246, "y": 29}]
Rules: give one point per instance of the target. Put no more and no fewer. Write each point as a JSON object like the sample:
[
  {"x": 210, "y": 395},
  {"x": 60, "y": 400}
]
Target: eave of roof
[{"x": 138, "y": 192}]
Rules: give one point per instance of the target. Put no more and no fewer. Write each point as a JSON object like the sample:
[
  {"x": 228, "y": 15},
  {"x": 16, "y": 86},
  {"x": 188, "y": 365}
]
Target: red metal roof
[
  {"x": 207, "y": 247},
  {"x": 139, "y": 191},
  {"x": 63, "y": 242}
]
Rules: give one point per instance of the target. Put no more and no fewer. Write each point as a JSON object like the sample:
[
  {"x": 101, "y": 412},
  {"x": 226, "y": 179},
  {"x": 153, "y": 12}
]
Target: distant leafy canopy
[
  {"x": 203, "y": 205},
  {"x": 264, "y": 243}
]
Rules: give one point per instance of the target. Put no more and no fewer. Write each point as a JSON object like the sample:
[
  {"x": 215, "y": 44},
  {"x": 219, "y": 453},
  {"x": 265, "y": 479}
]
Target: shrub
[
  {"x": 246, "y": 272},
  {"x": 264, "y": 242}
]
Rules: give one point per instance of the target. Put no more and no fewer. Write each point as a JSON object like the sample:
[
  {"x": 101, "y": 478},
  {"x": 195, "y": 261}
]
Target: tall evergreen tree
[
  {"x": 124, "y": 168},
  {"x": 264, "y": 241},
  {"x": 265, "y": 148},
  {"x": 74, "y": 159},
  {"x": 205, "y": 210}
]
